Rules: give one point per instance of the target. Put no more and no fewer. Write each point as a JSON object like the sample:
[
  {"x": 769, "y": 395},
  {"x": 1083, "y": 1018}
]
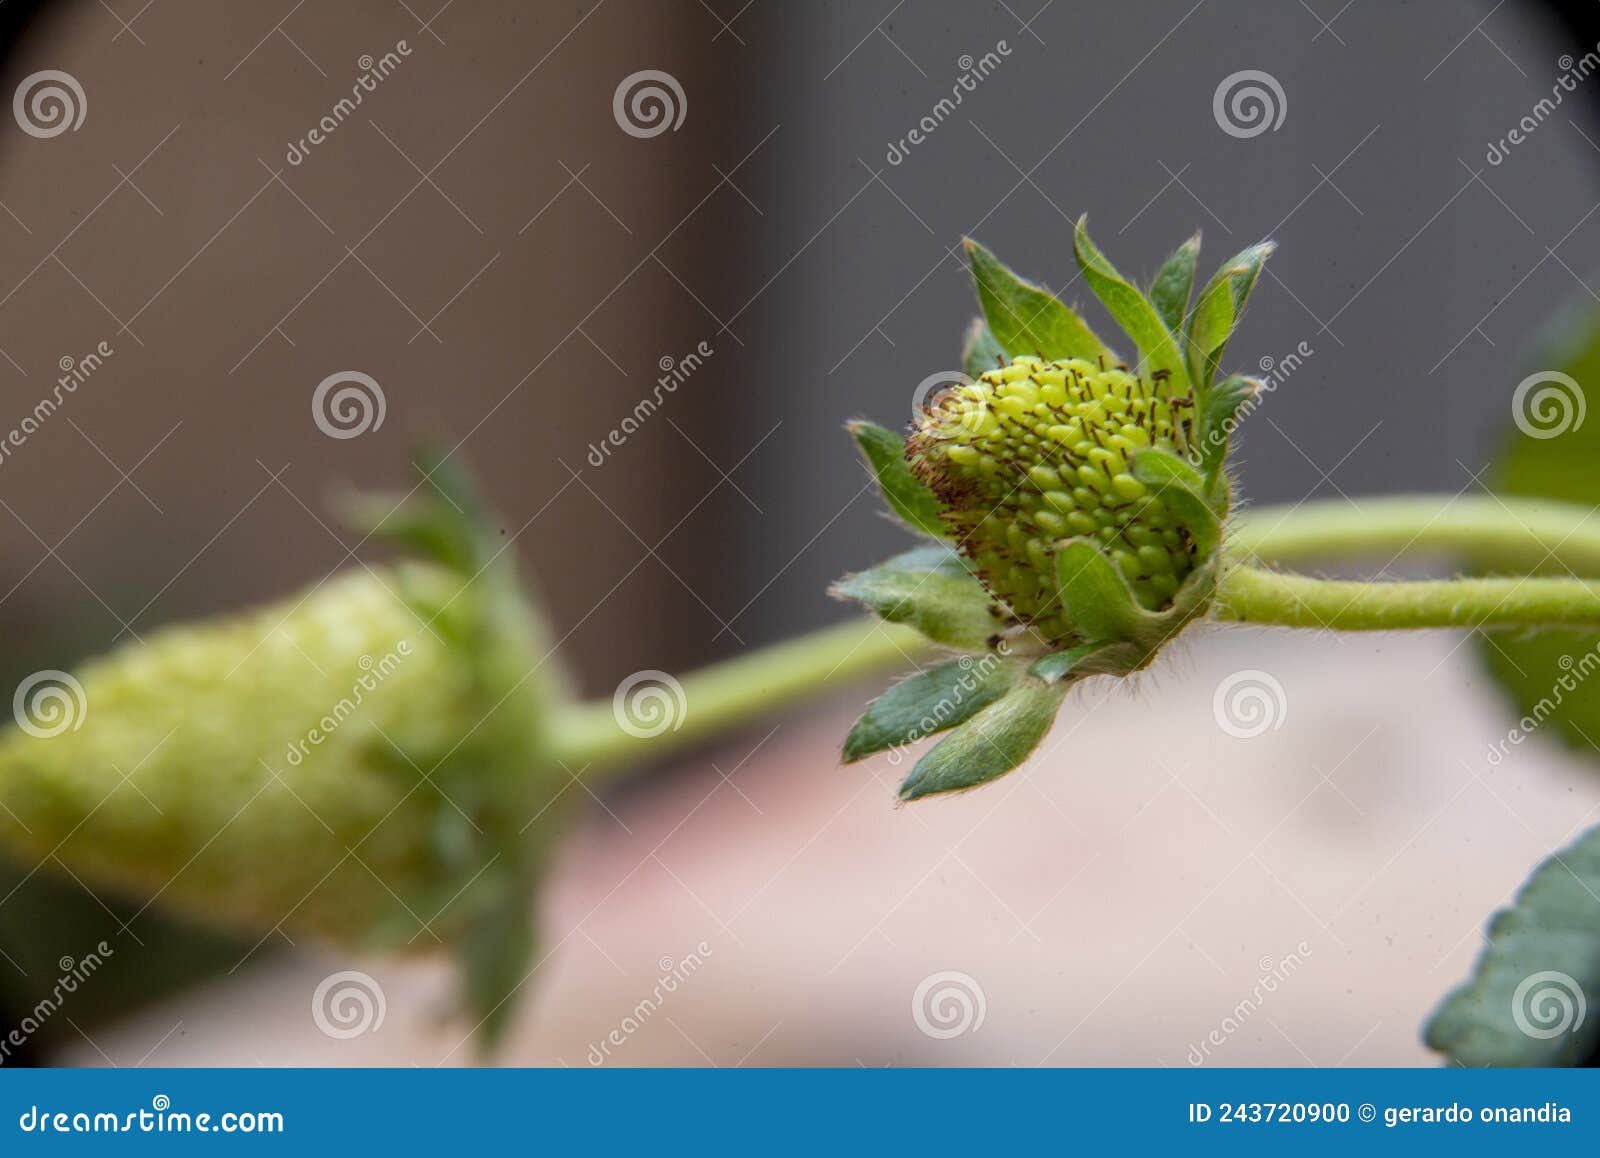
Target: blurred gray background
[{"x": 483, "y": 239}]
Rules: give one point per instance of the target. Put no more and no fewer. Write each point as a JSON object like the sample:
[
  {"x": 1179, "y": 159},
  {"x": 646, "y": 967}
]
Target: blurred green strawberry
[{"x": 362, "y": 762}]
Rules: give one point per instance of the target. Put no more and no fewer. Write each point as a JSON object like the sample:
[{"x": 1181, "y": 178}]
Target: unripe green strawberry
[
  {"x": 314, "y": 765},
  {"x": 1077, "y": 504},
  {"x": 370, "y": 762},
  {"x": 1035, "y": 452}
]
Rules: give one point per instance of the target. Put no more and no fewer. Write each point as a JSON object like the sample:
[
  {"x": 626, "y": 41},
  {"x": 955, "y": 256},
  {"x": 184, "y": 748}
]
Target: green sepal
[
  {"x": 1158, "y": 349},
  {"x": 1025, "y": 319},
  {"x": 492, "y": 775},
  {"x": 1221, "y": 407},
  {"x": 1217, "y": 312},
  {"x": 1542, "y": 951},
  {"x": 907, "y": 496},
  {"x": 495, "y": 952},
  {"x": 990, "y": 744},
  {"x": 441, "y": 519},
  {"x": 1097, "y": 597},
  {"x": 929, "y": 589},
  {"x": 980, "y": 351},
  {"x": 1174, "y": 282},
  {"x": 1086, "y": 659},
  {"x": 930, "y": 702},
  {"x": 1182, "y": 489}
]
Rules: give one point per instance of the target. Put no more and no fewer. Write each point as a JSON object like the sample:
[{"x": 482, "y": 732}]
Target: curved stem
[
  {"x": 1252, "y": 595},
  {"x": 1501, "y": 533},
  {"x": 734, "y": 691}
]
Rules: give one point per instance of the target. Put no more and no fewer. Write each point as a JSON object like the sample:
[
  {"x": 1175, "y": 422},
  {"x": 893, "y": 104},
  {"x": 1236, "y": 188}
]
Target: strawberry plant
[{"x": 383, "y": 761}]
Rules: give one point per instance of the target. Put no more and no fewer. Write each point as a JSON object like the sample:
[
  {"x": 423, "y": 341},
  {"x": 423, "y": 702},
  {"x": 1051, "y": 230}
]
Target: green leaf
[
  {"x": 990, "y": 744},
  {"x": 1182, "y": 489},
  {"x": 930, "y": 702},
  {"x": 1174, "y": 282},
  {"x": 1554, "y": 926},
  {"x": 929, "y": 589},
  {"x": 907, "y": 495},
  {"x": 1217, "y": 312},
  {"x": 1549, "y": 674},
  {"x": 980, "y": 352},
  {"x": 1097, "y": 597},
  {"x": 1026, "y": 319},
  {"x": 1534, "y": 998},
  {"x": 1158, "y": 350}
]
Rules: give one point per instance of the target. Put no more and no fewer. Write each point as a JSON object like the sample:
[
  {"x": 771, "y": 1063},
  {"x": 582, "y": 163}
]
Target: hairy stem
[
  {"x": 1504, "y": 534},
  {"x": 1483, "y": 533},
  {"x": 734, "y": 691},
  {"x": 1252, "y": 595}
]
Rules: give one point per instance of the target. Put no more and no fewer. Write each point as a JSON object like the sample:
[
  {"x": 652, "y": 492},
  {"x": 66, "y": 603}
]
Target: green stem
[
  {"x": 1504, "y": 534},
  {"x": 734, "y": 691},
  {"x": 1252, "y": 595}
]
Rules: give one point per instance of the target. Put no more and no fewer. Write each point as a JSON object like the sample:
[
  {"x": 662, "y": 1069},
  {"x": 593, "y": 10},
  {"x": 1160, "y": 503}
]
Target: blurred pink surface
[{"x": 1113, "y": 903}]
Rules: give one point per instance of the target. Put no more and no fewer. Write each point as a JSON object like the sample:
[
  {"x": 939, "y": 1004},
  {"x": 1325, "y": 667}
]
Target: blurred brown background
[{"x": 475, "y": 237}]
